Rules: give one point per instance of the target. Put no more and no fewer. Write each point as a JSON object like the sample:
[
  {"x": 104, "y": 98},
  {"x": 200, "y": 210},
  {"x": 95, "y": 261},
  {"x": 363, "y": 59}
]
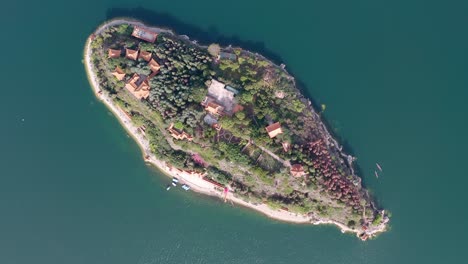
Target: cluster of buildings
[
  {"x": 137, "y": 84},
  {"x": 273, "y": 130},
  {"x": 219, "y": 102}
]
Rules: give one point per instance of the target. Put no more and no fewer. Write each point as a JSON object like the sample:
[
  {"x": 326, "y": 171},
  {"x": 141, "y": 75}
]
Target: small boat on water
[
  {"x": 376, "y": 174},
  {"x": 186, "y": 187},
  {"x": 174, "y": 184},
  {"x": 378, "y": 166},
  {"x": 175, "y": 180},
  {"x": 168, "y": 187}
]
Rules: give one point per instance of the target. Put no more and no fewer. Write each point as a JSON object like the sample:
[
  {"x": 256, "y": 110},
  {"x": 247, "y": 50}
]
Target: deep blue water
[{"x": 74, "y": 188}]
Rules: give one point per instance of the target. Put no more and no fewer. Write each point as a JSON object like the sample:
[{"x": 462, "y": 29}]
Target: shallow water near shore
[{"x": 74, "y": 187}]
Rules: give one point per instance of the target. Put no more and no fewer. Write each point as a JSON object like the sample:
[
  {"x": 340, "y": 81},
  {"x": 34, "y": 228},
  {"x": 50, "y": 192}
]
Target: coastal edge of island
[{"x": 197, "y": 184}]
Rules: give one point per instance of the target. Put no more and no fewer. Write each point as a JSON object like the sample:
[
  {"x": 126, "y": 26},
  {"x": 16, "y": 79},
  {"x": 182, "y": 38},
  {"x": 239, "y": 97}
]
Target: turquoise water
[{"x": 74, "y": 188}]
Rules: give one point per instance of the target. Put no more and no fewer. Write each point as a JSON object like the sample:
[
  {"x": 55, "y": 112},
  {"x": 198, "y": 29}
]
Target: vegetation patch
[{"x": 233, "y": 115}]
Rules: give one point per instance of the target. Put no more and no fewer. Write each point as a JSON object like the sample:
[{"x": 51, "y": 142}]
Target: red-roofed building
[
  {"x": 214, "y": 108},
  {"x": 297, "y": 170},
  {"x": 113, "y": 53},
  {"x": 118, "y": 73},
  {"x": 154, "y": 65},
  {"x": 138, "y": 86},
  {"x": 177, "y": 134},
  {"x": 144, "y": 34},
  {"x": 145, "y": 55},
  {"x": 274, "y": 130},
  {"x": 131, "y": 54}
]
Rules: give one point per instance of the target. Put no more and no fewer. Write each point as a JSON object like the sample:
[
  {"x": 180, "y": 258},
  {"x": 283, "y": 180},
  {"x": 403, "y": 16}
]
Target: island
[{"x": 228, "y": 122}]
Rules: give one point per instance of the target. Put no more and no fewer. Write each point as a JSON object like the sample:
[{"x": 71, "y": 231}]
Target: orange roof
[
  {"x": 179, "y": 134},
  {"x": 214, "y": 108},
  {"x": 140, "y": 90},
  {"x": 118, "y": 73},
  {"x": 297, "y": 170},
  {"x": 154, "y": 65},
  {"x": 144, "y": 85},
  {"x": 274, "y": 130},
  {"x": 131, "y": 54},
  {"x": 114, "y": 53},
  {"x": 144, "y": 34},
  {"x": 145, "y": 55}
]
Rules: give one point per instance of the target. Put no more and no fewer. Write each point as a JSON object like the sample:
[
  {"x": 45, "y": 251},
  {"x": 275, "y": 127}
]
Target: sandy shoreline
[{"x": 196, "y": 183}]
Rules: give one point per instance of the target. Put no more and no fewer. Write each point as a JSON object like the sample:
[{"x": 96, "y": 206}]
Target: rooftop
[
  {"x": 113, "y": 53},
  {"x": 144, "y": 34},
  {"x": 274, "y": 129},
  {"x": 118, "y": 73},
  {"x": 131, "y": 54},
  {"x": 154, "y": 65},
  {"x": 214, "y": 108},
  {"x": 177, "y": 134},
  {"x": 145, "y": 55},
  {"x": 138, "y": 85},
  {"x": 297, "y": 170},
  {"x": 221, "y": 95},
  {"x": 227, "y": 55}
]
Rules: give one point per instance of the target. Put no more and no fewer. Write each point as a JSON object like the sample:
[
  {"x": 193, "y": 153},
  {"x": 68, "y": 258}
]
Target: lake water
[{"x": 74, "y": 187}]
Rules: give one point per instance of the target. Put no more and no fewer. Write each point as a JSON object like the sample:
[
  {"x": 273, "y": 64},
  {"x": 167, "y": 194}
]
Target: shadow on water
[{"x": 212, "y": 35}]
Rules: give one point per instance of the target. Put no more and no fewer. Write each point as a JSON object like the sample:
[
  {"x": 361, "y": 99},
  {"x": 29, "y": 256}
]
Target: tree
[
  {"x": 179, "y": 125},
  {"x": 147, "y": 46},
  {"x": 198, "y": 94},
  {"x": 97, "y": 42},
  {"x": 240, "y": 115},
  {"x": 246, "y": 97},
  {"x": 214, "y": 50},
  {"x": 297, "y": 106},
  {"x": 123, "y": 29}
]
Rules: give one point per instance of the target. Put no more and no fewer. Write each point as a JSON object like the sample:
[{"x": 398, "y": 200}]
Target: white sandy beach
[{"x": 195, "y": 182}]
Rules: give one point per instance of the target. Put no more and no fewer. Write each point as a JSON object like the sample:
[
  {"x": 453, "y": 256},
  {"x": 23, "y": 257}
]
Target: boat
[
  {"x": 168, "y": 187},
  {"x": 378, "y": 166},
  {"x": 376, "y": 174},
  {"x": 186, "y": 187},
  {"x": 175, "y": 180},
  {"x": 173, "y": 184}
]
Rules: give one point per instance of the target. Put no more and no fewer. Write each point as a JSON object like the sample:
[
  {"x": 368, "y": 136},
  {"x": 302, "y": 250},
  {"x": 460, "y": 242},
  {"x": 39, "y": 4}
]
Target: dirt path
[{"x": 285, "y": 163}]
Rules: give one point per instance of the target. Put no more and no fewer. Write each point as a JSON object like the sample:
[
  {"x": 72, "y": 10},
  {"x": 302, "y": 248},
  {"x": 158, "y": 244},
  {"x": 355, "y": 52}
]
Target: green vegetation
[{"x": 240, "y": 154}]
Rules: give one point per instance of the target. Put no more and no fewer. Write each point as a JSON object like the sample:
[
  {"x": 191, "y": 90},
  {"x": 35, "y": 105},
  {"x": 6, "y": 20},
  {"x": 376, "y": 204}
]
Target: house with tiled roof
[
  {"x": 212, "y": 107},
  {"x": 138, "y": 85},
  {"x": 177, "y": 134},
  {"x": 145, "y": 55},
  {"x": 114, "y": 53},
  {"x": 274, "y": 129},
  {"x": 118, "y": 73},
  {"x": 154, "y": 65},
  {"x": 144, "y": 34},
  {"x": 297, "y": 170},
  {"x": 131, "y": 54}
]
